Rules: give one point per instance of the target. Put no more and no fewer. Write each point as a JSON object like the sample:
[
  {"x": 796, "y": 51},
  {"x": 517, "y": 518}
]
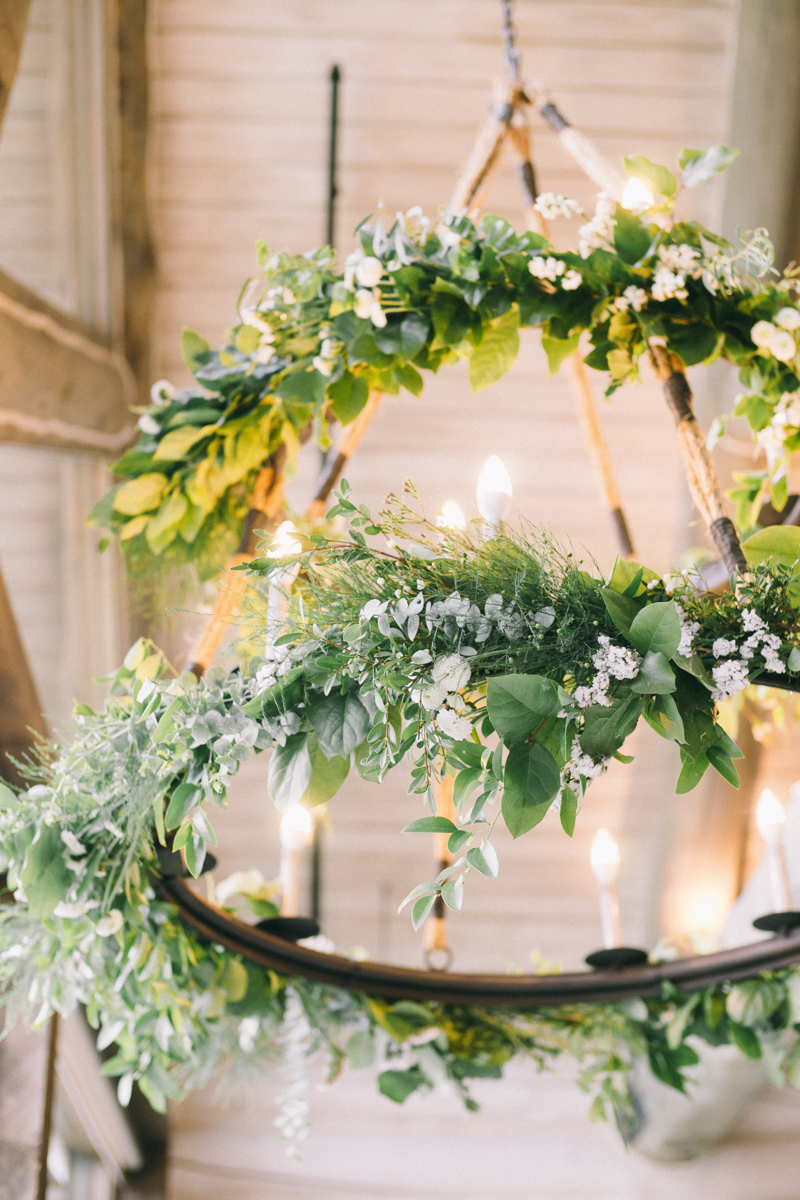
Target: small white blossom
[
  {"x": 682, "y": 259},
  {"x": 71, "y": 912},
  {"x": 109, "y": 924},
  {"x": 452, "y": 671},
  {"x": 787, "y": 318},
  {"x": 723, "y": 647},
  {"x": 783, "y": 346},
  {"x": 752, "y": 622},
  {"x": 762, "y": 334},
  {"x": 598, "y": 232},
  {"x": 730, "y": 677},
  {"x": 376, "y": 314},
  {"x": 633, "y": 297},
  {"x": 369, "y": 271},
  {"x": 667, "y": 285},
  {"x": 453, "y": 725},
  {"x": 362, "y": 305},
  {"x": 288, "y": 296},
  {"x": 553, "y": 206},
  {"x": 72, "y": 843},
  {"x": 571, "y": 281},
  {"x": 162, "y": 392},
  {"x": 546, "y": 268},
  {"x": 580, "y": 764},
  {"x": 148, "y": 424}
]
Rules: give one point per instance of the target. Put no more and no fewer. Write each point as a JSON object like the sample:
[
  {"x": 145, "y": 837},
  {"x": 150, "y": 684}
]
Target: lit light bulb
[
  {"x": 451, "y": 516},
  {"x": 604, "y": 858},
  {"x": 493, "y": 493},
  {"x": 636, "y": 196},
  {"x": 285, "y": 541},
  {"x": 770, "y": 817},
  {"x": 296, "y": 827}
]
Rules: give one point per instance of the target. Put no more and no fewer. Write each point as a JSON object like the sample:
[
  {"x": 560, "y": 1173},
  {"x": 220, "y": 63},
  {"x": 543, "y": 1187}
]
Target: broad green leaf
[
  {"x": 665, "y": 716},
  {"x": 559, "y": 349},
  {"x": 694, "y": 666},
  {"x": 348, "y": 396},
  {"x": 280, "y": 698},
  {"x": 289, "y": 772},
  {"x": 721, "y": 762},
  {"x": 754, "y": 1000},
  {"x": 233, "y": 979},
  {"x": 403, "y": 336},
  {"x": 484, "y": 859},
  {"x": 420, "y": 910},
  {"x": 398, "y": 1085},
  {"x": 140, "y": 495},
  {"x": 195, "y": 350},
  {"x": 431, "y": 825},
  {"x": 175, "y": 444},
  {"x": 658, "y": 628},
  {"x": 45, "y": 876},
  {"x": 655, "y": 677},
  {"x": 699, "y": 165},
  {"x": 453, "y": 893},
  {"x": 624, "y": 572},
  {"x": 623, "y": 610},
  {"x": 779, "y": 542},
  {"x": 569, "y": 811},
  {"x": 692, "y": 772},
  {"x": 532, "y": 781},
  {"x": 360, "y": 1050},
  {"x": 185, "y": 797},
  {"x": 657, "y": 179},
  {"x": 340, "y": 722},
  {"x": 466, "y": 782},
  {"x": 605, "y": 729},
  {"x": 327, "y": 775},
  {"x": 631, "y": 238},
  {"x": 497, "y": 351},
  {"x": 745, "y": 1039},
  {"x": 163, "y": 526},
  {"x": 166, "y": 723},
  {"x": 518, "y": 703}
]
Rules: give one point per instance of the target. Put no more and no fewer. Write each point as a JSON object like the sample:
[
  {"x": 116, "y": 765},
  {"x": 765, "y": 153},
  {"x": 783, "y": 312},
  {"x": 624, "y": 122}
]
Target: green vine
[{"x": 313, "y": 339}]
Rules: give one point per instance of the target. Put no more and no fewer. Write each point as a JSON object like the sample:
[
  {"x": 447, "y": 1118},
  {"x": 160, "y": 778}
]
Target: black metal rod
[
  {"x": 504, "y": 991},
  {"x": 333, "y": 147}
]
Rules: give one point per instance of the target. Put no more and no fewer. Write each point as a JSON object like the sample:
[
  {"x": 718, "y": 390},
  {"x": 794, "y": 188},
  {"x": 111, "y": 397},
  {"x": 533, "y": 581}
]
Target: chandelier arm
[{"x": 500, "y": 991}]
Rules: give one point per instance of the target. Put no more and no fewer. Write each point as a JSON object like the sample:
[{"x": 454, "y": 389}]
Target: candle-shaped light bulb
[
  {"x": 636, "y": 196},
  {"x": 296, "y": 830},
  {"x": 770, "y": 819},
  {"x": 451, "y": 516},
  {"x": 604, "y": 860},
  {"x": 493, "y": 493},
  {"x": 285, "y": 541}
]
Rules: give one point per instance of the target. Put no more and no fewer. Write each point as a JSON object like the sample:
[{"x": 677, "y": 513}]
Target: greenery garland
[
  {"x": 86, "y": 928},
  {"x": 313, "y": 339}
]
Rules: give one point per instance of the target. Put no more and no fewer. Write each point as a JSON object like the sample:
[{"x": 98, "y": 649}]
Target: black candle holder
[
  {"x": 172, "y": 866},
  {"x": 616, "y": 958},
  {"x": 291, "y": 929},
  {"x": 781, "y": 923}
]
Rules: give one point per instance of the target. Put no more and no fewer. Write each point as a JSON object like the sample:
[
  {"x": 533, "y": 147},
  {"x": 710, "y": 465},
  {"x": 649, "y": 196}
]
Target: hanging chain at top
[{"x": 510, "y": 38}]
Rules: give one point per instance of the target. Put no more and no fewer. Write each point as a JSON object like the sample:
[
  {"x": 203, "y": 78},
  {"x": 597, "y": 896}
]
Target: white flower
[
  {"x": 571, "y": 281},
  {"x": 787, "y": 318},
  {"x": 148, "y": 424},
  {"x": 600, "y": 230},
  {"x": 688, "y": 630},
  {"x": 730, "y": 677},
  {"x": 452, "y": 671},
  {"x": 449, "y": 237},
  {"x": 323, "y": 366},
  {"x": 288, "y": 296},
  {"x": 682, "y": 258},
  {"x": 552, "y": 206},
  {"x": 667, "y": 285},
  {"x": 162, "y": 392},
  {"x": 72, "y": 843},
  {"x": 377, "y": 315},
  {"x": 580, "y": 764},
  {"x": 723, "y": 646},
  {"x": 762, "y": 334},
  {"x": 546, "y": 268},
  {"x": 783, "y": 346},
  {"x": 430, "y": 697},
  {"x": 362, "y": 305},
  {"x": 248, "y": 1031},
  {"x": 110, "y": 924},
  {"x": 452, "y": 725},
  {"x": 71, "y": 912},
  {"x": 752, "y": 622},
  {"x": 633, "y": 297},
  {"x": 369, "y": 271}
]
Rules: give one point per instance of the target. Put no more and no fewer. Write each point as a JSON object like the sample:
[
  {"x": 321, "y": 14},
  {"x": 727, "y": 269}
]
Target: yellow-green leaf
[
  {"x": 497, "y": 351},
  {"x": 178, "y": 441},
  {"x": 779, "y": 542},
  {"x": 140, "y": 495},
  {"x": 133, "y": 527},
  {"x": 163, "y": 527}
]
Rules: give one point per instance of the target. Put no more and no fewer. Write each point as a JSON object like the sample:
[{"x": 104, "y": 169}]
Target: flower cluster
[
  {"x": 611, "y": 662},
  {"x": 553, "y": 206},
  {"x": 598, "y": 233},
  {"x": 551, "y": 269}
]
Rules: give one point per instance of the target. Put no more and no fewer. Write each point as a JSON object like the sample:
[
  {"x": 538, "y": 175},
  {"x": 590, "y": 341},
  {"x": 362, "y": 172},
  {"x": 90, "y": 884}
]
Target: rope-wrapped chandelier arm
[{"x": 501, "y": 991}]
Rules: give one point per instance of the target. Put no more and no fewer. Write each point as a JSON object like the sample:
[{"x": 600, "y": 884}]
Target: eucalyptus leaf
[{"x": 340, "y": 722}]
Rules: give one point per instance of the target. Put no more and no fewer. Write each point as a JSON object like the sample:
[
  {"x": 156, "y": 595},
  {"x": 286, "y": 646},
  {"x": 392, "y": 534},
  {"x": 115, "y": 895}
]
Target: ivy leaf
[
  {"x": 622, "y": 609},
  {"x": 778, "y": 542},
  {"x": 496, "y": 352},
  {"x": 699, "y": 165},
  {"x": 655, "y": 677},
  {"x": 45, "y": 876},
  {"x": 398, "y": 1085},
  {"x": 559, "y": 349},
  {"x": 657, "y": 628},
  {"x": 532, "y": 780},
  {"x": 403, "y": 337},
  {"x": 518, "y": 703},
  {"x": 289, "y": 772},
  {"x": 348, "y": 396},
  {"x": 327, "y": 775},
  {"x": 340, "y": 722},
  {"x": 431, "y": 825},
  {"x": 656, "y": 178}
]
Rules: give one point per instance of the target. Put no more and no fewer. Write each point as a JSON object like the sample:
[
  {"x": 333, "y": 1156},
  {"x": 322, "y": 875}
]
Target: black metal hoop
[{"x": 499, "y": 991}]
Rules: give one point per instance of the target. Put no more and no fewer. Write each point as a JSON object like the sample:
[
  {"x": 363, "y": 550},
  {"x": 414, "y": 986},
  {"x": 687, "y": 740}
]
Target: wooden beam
[
  {"x": 13, "y": 23},
  {"x": 20, "y": 711},
  {"x": 60, "y": 384}
]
